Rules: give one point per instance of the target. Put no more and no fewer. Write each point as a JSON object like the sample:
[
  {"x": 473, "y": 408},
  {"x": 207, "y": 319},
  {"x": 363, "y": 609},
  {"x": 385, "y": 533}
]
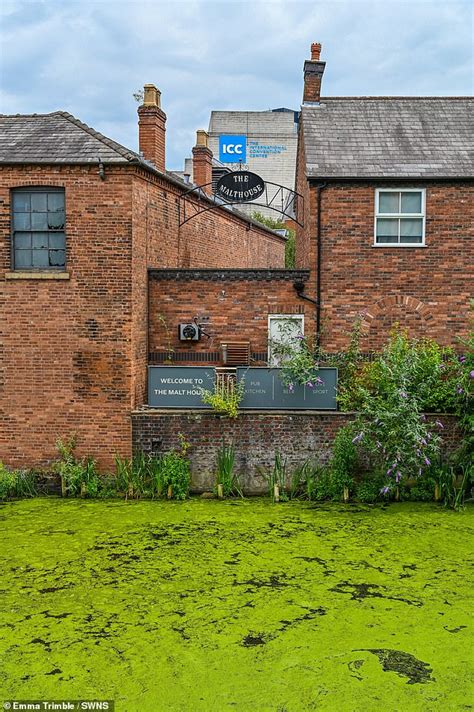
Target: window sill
[
  {"x": 36, "y": 275},
  {"x": 393, "y": 244}
]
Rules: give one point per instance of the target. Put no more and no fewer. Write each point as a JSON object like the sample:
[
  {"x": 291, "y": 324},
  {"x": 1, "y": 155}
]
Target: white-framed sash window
[{"x": 400, "y": 217}]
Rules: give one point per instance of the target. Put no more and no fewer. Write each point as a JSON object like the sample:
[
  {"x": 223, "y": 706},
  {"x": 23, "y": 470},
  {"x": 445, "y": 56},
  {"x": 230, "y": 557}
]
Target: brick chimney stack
[
  {"x": 152, "y": 127},
  {"x": 313, "y": 74},
  {"x": 202, "y": 161}
]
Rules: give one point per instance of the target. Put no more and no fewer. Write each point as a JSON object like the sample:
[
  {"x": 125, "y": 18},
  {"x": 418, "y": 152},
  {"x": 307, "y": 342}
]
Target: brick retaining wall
[{"x": 256, "y": 437}]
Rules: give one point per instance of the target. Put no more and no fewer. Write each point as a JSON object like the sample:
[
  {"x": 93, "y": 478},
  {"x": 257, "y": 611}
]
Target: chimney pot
[
  {"x": 151, "y": 96},
  {"x": 202, "y": 138},
  {"x": 315, "y": 50}
]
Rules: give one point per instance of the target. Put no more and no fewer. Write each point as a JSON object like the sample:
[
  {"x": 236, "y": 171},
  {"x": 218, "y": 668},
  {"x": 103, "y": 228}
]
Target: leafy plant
[
  {"x": 225, "y": 474},
  {"x": 344, "y": 461},
  {"x": 17, "y": 483},
  {"x": 278, "y": 475},
  {"x": 296, "y": 355},
  {"x": 225, "y": 398},
  {"x": 455, "y": 489},
  {"x": 175, "y": 470},
  {"x": 69, "y": 468},
  {"x": 368, "y": 488},
  {"x": 132, "y": 475}
]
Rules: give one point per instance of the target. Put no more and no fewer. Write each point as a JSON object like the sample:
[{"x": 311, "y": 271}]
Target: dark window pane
[
  {"x": 39, "y": 221},
  {"x": 56, "y": 240},
  {"x": 55, "y": 201},
  {"x": 388, "y": 202},
  {"x": 21, "y": 221},
  {"x": 22, "y": 258},
  {"x": 411, "y": 203},
  {"x": 40, "y": 240},
  {"x": 22, "y": 240},
  {"x": 411, "y": 240},
  {"x": 56, "y": 220},
  {"x": 21, "y": 202},
  {"x": 39, "y": 202},
  {"x": 411, "y": 227},
  {"x": 40, "y": 258},
  {"x": 57, "y": 258}
]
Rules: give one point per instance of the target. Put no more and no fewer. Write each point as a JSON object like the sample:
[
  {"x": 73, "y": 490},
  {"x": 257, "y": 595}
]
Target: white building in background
[{"x": 263, "y": 142}]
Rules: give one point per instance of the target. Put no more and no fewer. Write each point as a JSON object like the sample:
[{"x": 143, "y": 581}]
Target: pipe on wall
[{"x": 320, "y": 187}]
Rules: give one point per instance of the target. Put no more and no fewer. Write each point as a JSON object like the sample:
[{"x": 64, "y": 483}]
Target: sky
[{"x": 89, "y": 58}]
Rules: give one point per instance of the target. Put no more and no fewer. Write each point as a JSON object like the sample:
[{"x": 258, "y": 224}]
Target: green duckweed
[{"x": 206, "y": 606}]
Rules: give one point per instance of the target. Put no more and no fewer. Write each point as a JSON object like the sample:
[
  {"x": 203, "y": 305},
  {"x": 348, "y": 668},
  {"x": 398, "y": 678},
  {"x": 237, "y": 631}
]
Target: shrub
[
  {"x": 344, "y": 462},
  {"x": 78, "y": 476},
  {"x": 225, "y": 398},
  {"x": 17, "y": 483},
  {"x": 175, "y": 470}
]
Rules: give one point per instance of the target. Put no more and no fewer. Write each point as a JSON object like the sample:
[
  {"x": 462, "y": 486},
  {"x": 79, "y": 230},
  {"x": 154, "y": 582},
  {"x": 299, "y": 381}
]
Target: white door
[{"x": 284, "y": 329}]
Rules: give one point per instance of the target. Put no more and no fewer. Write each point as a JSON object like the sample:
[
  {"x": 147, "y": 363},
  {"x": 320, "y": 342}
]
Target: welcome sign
[{"x": 182, "y": 386}]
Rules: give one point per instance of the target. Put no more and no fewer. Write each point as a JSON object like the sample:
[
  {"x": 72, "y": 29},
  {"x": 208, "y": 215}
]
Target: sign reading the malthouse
[
  {"x": 240, "y": 187},
  {"x": 178, "y": 386},
  {"x": 264, "y": 389}
]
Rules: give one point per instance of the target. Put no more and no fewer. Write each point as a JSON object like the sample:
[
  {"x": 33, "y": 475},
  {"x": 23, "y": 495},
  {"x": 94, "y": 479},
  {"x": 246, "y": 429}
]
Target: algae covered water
[{"x": 236, "y": 605}]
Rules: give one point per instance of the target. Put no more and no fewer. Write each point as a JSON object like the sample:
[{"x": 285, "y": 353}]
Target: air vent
[{"x": 235, "y": 353}]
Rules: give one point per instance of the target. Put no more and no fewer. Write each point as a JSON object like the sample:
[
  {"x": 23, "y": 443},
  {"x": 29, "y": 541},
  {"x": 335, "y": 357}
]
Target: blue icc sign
[{"x": 232, "y": 149}]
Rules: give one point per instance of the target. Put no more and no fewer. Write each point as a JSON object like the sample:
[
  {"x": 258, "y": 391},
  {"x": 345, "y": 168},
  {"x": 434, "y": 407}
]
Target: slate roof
[
  {"x": 56, "y": 138},
  {"x": 389, "y": 137}
]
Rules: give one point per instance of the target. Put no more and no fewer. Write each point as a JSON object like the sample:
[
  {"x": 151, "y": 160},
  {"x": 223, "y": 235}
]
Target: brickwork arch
[{"x": 407, "y": 311}]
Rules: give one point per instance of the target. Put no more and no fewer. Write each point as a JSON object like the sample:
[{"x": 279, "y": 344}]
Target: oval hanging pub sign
[{"x": 240, "y": 187}]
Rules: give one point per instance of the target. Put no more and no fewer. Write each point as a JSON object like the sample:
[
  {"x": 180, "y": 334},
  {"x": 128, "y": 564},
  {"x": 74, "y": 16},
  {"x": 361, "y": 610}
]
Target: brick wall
[
  {"x": 232, "y": 305},
  {"x": 73, "y": 352},
  {"x": 64, "y": 355},
  {"x": 426, "y": 289},
  {"x": 256, "y": 438}
]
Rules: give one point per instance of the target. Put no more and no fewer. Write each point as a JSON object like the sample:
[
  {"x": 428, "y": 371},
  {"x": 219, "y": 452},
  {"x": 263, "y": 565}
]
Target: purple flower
[
  {"x": 385, "y": 490},
  {"x": 442, "y": 367},
  {"x": 398, "y": 477},
  {"x": 358, "y": 438},
  {"x": 310, "y": 385},
  {"x": 319, "y": 381},
  {"x": 423, "y": 441},
  {"x": 427, "y": 462},
  {"x": 300, "y": 336},
  {"x": 471, "y": 375},
  {"x": 462, "y": 359},
  {"x": 404, "y": 394},
  {"x": 389, "y": 471},
  {"x": 439, "y": 424},
  {"x": 461, "y": 390}
]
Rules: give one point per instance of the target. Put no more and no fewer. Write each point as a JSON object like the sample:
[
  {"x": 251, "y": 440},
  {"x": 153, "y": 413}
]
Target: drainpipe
[{"x": 320, "y": 187}]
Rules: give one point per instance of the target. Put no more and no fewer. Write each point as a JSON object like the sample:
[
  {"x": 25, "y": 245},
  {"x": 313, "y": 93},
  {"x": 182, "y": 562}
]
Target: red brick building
[
  {"x": 389, "y": 212},
  {"x": 82, "y": 219}
]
